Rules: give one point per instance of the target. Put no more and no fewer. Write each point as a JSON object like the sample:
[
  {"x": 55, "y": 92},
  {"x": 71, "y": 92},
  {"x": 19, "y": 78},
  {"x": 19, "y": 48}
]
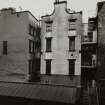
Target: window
[
  {"x": 32, "y": 30},
  {"x": 48, "y": 67},
  {"x": 30, "y": 66},
  {"x": 72, "y": 24},
  {"x": 48, "y": 44},
  {"x": 49, "y": 26},
  {"x": 90, "y": 36},
  {"x": 5, "y": 47},
  {"x": 71, "y": 66},
  {"x": 31, "y": 46},
  {"x": 72, "y": 43}
]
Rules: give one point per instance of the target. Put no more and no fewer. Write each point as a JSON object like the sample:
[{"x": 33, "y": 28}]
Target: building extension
[{"x": 19, "y": 45}]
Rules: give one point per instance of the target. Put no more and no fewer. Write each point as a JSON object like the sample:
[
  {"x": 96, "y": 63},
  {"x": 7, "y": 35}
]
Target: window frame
[
  {"x": 71, "y": 67},
  {"x": 32, "y": 30},
  {"x": 48, "y": 66},
  {"x": 31, "y": 46},
  {"x": 72, "y": 24},
  {"x": 70, "y": 46},
  {"x": 90, "y": 36},
  {"x": 30, "y": 66},
  {"x": 49, "y": 48},
  {"x": 49, "y": 26}
]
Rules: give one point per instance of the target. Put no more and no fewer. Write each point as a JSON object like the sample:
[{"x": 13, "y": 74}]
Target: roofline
[
  {"x": 48, "y": 14},
  {"x": 60, "y": 2},
  {"x": 80, "y": 12},
  {"x": 28, "y": 12}
]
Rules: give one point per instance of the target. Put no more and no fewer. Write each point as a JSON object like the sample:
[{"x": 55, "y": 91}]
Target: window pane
[
  {"x": 72, "y": 24},
  {"x": 71, "y": 67},
  {"x": 48, "y": 67},
  {"x": 31, "y": 46},
  {"x": 48, "y": 45},
  {"x": 72, "y": 43},
  {"x": 90, "y": 35},
  {"x": 48, "y": 27},
  {"x": 32, "y": 30},
  {"x": 29, "y": 29}
]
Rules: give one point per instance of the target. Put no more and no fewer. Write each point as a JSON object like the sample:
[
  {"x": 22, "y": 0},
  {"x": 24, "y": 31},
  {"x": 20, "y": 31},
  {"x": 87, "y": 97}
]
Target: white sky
[{"x": 43, "y": 7}]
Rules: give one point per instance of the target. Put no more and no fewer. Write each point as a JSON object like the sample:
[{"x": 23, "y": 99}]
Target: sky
[{"x": 42, "y": 7}]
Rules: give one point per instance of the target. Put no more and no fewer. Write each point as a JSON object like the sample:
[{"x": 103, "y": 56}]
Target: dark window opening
[
  {"x": 30, "y": 66},
  {"x": 48, "y": 44},
  {"x": 90, "y": 36},
  {"x": 48, "y": 67},
  {"x": 32, "y": 30},
  {"x": 5, "y": 47},
  {"x": 71, "y": 66},
  {"x": 72, "y": 20},
  {"x": 31, "y": 46},
  {"x": 72, "y": 43}
]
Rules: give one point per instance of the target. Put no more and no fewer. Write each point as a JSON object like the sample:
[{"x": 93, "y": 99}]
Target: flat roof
[{"x": 56, "y": 93}]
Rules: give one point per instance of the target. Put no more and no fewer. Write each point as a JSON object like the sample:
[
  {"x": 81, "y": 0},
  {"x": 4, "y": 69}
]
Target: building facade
[
  {"x": 61, "y": 46},
  {"x": 19, "y": 34},
  {"x": 89, "y": 50},
  {"x": 101, "y": 39}
]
